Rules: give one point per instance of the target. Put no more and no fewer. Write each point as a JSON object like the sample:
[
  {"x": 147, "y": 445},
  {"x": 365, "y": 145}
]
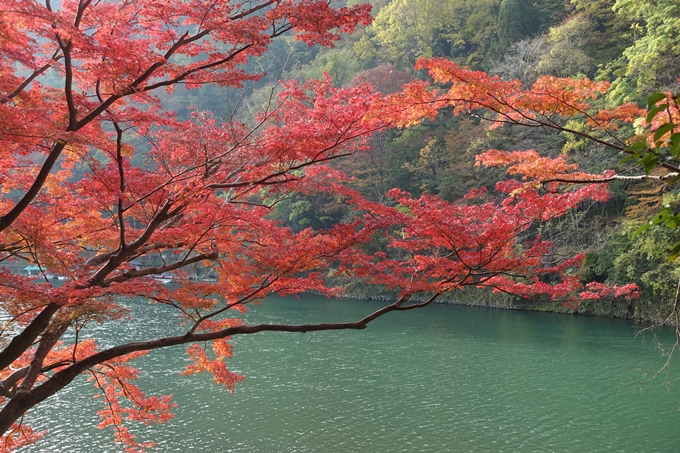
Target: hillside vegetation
[{"x": 633, "y": 44}]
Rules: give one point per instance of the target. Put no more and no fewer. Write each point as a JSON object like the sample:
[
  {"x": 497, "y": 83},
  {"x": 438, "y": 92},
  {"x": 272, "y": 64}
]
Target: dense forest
[{"x": 630, "y": 43}]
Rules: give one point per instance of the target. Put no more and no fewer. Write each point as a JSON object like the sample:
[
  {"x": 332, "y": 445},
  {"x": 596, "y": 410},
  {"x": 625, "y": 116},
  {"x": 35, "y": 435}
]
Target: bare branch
[
  {"x": 48, "y": 340},
  {"x": 613, "y": 178}
]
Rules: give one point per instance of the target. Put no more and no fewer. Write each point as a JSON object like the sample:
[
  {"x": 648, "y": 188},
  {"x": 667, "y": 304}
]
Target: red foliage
[
  {"x": 197, "y": 206},
  {"x": 385, "y": 78}
]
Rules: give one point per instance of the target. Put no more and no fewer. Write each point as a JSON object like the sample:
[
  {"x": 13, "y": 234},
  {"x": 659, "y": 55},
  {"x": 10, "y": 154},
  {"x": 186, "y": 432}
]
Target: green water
[{"x": 441, "y": 379}]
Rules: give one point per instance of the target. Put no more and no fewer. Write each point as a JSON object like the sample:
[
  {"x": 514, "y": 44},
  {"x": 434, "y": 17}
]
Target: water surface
[{"x": 440, "y": 379}]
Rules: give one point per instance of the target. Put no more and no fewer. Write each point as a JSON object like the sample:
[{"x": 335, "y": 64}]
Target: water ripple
[{"x": 444, "y": 379}]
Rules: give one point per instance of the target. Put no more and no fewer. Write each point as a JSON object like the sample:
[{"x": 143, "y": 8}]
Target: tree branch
[
  {"x": 48, "y": 340},
  {"x": 122, "y": 254},
  {"x": 613, "y": 178},
  {"x": 136, "y": 273},
  {"x": 18, "y": 405},
  {"x": 7, "y": 219},
  {"x": 25, "y": 339},
  {"x": 25, "y": 83},
  {"x": 266, "y": 180},
  {"x": 101, "y": 258}
]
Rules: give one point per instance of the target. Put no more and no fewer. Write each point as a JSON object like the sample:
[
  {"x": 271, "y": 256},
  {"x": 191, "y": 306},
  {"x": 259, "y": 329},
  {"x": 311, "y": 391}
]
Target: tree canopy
[{"x": 107, "y": 191}]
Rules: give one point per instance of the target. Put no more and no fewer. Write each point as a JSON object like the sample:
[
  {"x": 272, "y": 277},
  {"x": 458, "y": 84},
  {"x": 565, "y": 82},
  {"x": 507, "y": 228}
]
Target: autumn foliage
[{"x": 106, "y": 191}]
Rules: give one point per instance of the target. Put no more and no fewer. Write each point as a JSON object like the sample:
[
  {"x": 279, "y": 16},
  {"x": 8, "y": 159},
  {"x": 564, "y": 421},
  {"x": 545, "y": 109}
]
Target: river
[{"x": 439, "y": 379}]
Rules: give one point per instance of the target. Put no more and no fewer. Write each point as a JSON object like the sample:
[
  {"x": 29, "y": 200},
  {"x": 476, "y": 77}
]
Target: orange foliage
[{"x": 197, "y": 209}]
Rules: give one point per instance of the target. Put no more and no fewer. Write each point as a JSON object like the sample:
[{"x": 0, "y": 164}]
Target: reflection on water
[{"x": 441, "y": 379}]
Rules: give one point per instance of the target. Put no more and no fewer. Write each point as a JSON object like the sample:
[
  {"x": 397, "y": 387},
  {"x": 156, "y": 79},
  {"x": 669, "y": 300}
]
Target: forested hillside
[{"x": 633, "y": 44}]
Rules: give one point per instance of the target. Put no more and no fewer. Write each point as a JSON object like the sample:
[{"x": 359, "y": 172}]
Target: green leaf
[
  {"x": 626, "y": 159},
  {"x": 662, "y": 217},
  {"x": 673, "y": 180},
  {"x": 655, "y": 111},
  {"x": 636, "y": 146},
  {"x": 649, "y": 161},
  {"x": 663, "y": 129},
  {"x": 675, "y": 139},
  {"x": 675, "y": 251},
  {"x": 654, "y": 98},
  {"x": 642, "y": 229}
]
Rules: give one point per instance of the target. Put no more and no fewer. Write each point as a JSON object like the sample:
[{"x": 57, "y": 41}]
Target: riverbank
[{"x": 645, "y": 310}]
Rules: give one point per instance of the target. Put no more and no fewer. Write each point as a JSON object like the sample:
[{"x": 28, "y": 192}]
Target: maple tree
[
  {"x": 564, "y": 105},
  {"x": 106, "y": 191}
]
